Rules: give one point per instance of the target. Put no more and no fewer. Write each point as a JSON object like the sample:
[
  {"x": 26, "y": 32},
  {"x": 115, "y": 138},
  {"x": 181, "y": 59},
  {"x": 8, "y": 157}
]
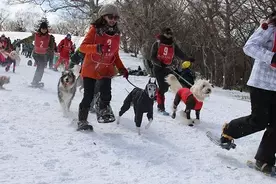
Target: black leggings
[
  {"x": 263, "y": 116},
  {"x": 89, "y": 87}
]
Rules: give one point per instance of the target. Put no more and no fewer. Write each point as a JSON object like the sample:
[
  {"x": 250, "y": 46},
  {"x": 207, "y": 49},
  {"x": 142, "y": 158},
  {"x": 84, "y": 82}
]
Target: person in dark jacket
[
  {"x": 162, "y": 53},
  {"x": 51, "y": 53},
  {"x": 186, "y": 75}
]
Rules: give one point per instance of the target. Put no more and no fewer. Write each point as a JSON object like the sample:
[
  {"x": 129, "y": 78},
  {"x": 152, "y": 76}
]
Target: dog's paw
[
  {"x": 190, "y": 122},
  {"x": 183, "y": 114},
  {"x": 173, "y": 115},
  {"x": 196, "y": 121},
  {"x": 138, "y": 130},
  {"x": 118, "y": 120}
]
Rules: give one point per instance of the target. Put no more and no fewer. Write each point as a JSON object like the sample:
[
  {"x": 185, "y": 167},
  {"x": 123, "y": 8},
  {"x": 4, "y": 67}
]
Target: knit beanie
[{"x": 108, "y": 9}]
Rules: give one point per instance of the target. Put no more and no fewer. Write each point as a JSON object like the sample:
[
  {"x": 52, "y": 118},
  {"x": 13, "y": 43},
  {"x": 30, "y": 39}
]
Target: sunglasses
[{"x": 112, "y": 17}]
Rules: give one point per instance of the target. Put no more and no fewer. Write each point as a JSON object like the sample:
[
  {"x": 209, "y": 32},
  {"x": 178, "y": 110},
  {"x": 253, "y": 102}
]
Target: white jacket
[{"x": 259, "y": 46}]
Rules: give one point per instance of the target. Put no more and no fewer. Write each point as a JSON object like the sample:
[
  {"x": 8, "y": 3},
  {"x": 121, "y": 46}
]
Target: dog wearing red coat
[{"x": 193, "y": 98}]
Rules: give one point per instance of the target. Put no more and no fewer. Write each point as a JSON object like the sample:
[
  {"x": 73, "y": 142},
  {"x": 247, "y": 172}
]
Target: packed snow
[{"x": 40, "y": 146}]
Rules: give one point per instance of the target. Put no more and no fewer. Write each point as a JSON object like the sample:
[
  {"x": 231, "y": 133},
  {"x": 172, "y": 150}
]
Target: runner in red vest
[
  {"x": 101, "y": 48},
  {"x": 65, "y": 47},
  {"x": 162, "y": 56},
  {"x": 42, "y": 42}
]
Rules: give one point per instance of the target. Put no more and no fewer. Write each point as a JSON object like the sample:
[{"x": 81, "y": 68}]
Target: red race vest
[
  {"x": 106, "y": 58},
  {"x": 105, "y": 62},
  {"x": 41, "y": 43},
  {"x": 165, "y": 53},
  {"x": 184, "y": 93}
]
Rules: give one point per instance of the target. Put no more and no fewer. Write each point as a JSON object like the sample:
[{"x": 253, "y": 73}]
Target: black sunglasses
[{"x": 112, "y": 17}]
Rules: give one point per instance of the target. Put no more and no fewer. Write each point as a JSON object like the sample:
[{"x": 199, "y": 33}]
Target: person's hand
[
  {"x": 102, "y": 48},
  {"x": 273, "y": 61},
  {"x": 124, "y": 72}
]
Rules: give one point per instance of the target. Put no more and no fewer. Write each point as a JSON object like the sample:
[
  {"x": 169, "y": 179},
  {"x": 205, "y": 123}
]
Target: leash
[
  {"x": 132, "y": 83},
  {"x": 182, "y": 78},
  {"x": 127, "y": 91}
]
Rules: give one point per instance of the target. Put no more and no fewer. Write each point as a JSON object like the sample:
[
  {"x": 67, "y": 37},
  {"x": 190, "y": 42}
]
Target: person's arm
[
  {"x": 254, "y": 45},
  {"x": 87, "y": 46},
  {"x": 154, "y": 50},
  {"x": 29, "y": 39}
]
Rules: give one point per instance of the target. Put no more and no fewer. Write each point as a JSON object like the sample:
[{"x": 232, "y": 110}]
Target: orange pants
[{"x": 65, "y": 61}]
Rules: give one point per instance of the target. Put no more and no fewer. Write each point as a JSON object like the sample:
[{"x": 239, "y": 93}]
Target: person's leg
[
  {"x": 257, "y": 121},
  {"x": 88, "y": 84},
  {"x": 41, "y": 61},
  {"x": 59, "y": 61},
  {"x": 267, "y": 148},
  {"x": 162, "y": 88},
  {"x": 51, "y": 59},
  {"x": 105, "y": 92}
]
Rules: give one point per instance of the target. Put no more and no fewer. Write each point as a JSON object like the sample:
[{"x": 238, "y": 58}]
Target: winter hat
[
  {"x": 43, "y": 25},
  {"x": 108, "y": 9},
  {"x": 167, "y": 30},
  {"x": 186, "y": 64},
  {"x": 68, "y": 36}
]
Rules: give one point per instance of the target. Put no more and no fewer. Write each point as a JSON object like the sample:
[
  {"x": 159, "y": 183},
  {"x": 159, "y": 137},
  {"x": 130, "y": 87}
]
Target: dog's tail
[{"x": 173, "y": 82}]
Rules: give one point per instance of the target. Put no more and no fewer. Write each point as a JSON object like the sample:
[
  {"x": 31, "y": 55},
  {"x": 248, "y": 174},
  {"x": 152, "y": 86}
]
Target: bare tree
[
  {"x": 87, "y": 8},
  {"x": 4, "y": 14}
]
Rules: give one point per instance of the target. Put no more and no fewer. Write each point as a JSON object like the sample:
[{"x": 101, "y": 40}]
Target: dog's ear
[
  {"x": 63, "y": 72},
  {"x": 149, "y": 81},
  {"x": 154, "y": 81}
]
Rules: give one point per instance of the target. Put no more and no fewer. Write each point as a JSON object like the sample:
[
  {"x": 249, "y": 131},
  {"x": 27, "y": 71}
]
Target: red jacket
[
  {"x": 97, "y": 66},
  {"x": 65, "y": 47}
]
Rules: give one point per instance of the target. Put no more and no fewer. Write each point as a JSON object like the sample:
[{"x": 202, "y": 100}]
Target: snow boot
[
  {"x": 227, "y": 142},
  {"x": 83, "y": 124},
  {"x": 264, "y": 167},
  {"x": 37, "y": 85},
  {"x": 105, "y": 114}
]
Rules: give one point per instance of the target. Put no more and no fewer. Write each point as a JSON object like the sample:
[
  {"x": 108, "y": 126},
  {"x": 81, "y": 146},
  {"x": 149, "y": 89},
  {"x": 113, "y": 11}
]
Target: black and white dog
[
  {"x": 142, "y": 101},
  {"x": 66, "y": 90}
]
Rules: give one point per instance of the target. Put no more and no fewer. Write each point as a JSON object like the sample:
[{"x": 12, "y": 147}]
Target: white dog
[{"x": 193, "y": 97}]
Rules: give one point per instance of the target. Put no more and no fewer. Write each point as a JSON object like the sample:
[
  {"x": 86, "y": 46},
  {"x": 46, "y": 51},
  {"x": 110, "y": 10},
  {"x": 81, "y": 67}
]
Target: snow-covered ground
[{"x": 39, "y": 146}]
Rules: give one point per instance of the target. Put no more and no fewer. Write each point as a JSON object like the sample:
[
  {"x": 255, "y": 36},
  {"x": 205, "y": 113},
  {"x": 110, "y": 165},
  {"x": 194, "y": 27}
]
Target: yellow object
[{"x": 186, "y": 64}]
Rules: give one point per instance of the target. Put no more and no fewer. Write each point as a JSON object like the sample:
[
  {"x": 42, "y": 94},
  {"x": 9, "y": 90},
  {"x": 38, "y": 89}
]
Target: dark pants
[
  {"x": 263, "y": 116},
  {"x": 89, "y": 87},
  {"x": 50, "y": 59},
  {"x": 41, "y": 61},
  {"x": 160, "y": 74}
]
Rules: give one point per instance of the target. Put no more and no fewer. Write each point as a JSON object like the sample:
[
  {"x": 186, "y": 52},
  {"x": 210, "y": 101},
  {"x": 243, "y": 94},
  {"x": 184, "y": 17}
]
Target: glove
[
  {"x": 124, "y": 72},
  {"x": 102, "y": 48},
  {"x": 273, "y": 61}
]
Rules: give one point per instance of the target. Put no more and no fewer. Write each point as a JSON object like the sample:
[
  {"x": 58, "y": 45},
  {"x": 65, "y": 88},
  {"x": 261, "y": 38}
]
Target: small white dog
[
  {"x": 193, "y": 97},
  {"x": 66, "y": 90}
]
